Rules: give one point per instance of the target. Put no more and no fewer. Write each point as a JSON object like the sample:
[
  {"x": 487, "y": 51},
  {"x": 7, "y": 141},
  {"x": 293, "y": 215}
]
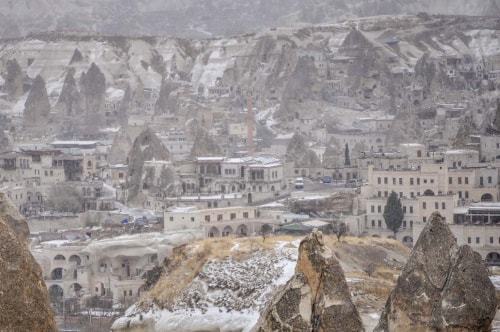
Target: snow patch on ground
[{"x": 227, "y": 294}]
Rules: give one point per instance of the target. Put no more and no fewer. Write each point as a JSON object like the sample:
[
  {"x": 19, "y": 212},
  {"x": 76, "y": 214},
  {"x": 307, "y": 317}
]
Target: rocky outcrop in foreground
[
  {"x": 443, "y": 287},
  {"x": 317, "y": 298},
  {"x": 24, "y": 300}
]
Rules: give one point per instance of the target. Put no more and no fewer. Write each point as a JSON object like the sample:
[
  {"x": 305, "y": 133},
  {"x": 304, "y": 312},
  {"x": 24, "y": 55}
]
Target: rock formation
[
  {"x": 147, "y": 146},
  {"x": 166, "y": 103},
  {"x": 24, "y": 299},
  {"x": 317, "y": 298},
  {"x": 77, "y": 56},
  {"x": 14, "y": 79},
  {"x": 332, "y": 156},
  {"x": 93, "y": 89},
  {"x": 466, "y": 128},
  {"x": 442, "y": 287},
  {"x": 204, "y": 145},
  {"x": 37, "y": 106},
  {"x": 298, "y": 152},
  {"x": 69, "y": 98}
]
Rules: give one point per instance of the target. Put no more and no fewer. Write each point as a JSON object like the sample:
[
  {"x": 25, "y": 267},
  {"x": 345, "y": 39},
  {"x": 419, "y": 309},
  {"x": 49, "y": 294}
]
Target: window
[
  {"x": 481, "y": 182},
  {"x": 436, "y": 205},
  {"x": 411, "y": 209},
  {"x": 466, "y": 194},
  {"x": 404, "y": 209},
  {"x": 412, "y": 194},
  {"x": 424, "y": 219},
  {"x": 130, "y": 292},
  {"x": 424, "y": 205},
  {"x": 379, "y": 209},
  {"x": 425, "y": 180},
  {"x": 219, "y": 217},
  {"x": 380, "y": 223},
  {"x": 207, "y": 218},
  {"x": 232, "y": 216},
  {"x": 394, "y": 181},
  {"x": 459, "y": 180},
  {"x": 171, "y": 218},
  {"x": 379, "y": 180},
  {"x": 373, "y": 208},
  {"x": 379, "y": 194},
  {"x": 469, "y": 240},
  {"x": 459, "y": 194},
  {"x": 418, "y": 181},
  {"x": 411, "y": 181},
  {"x": 386, "y": 194},
  {"x": 466, "y": 179},
  {"x": 245, "y": 215},
  {"x": 450, "y": 180},
  {"x": 401, "y": 181},
  {"x": 192, "y": 219},
  {"x": 404, "y": 223},
  {"x": 373, "y": 223},
  {"x": 400, "y": 194},
  {"x": 489, "y": 179},
  {"x": 411, "y": 223},
  {"x": 385, "y": 180},
  {"x": 443, "y": 205},
  {"x": 491, "y": 239},
  {"x": 478, "y": 240}
]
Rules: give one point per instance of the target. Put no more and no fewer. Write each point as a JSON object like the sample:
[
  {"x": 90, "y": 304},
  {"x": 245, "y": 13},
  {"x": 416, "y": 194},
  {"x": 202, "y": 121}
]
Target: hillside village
[{"x": 117, "y": 150}]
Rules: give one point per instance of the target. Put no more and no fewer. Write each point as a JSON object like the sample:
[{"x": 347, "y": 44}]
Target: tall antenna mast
[{"x": 250, "y": 123}]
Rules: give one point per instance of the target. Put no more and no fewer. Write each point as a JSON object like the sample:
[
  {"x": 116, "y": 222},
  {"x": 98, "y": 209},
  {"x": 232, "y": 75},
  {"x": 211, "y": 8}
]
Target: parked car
[
  {"x": 326, "y": 179},
  {"x": 299, "y": 183}
]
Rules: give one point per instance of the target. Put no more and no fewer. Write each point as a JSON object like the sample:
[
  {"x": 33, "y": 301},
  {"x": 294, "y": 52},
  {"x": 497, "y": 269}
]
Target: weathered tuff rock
[
  {"x": 70, "y": 98},
  {"x": 24, "y": 300},
  {"x": 442, "y": 287},
  {"x": 147, "y": 146},
  {"x": 14, "y": 79},
  {"x": 93, "y": 89},
  {"x": 37, "y": 105},
  {"x": 204, "y": 145},
  {"x": 298, "y": 152},
  {"x": 317, "y": 298},
  {"x": 166, "y": 103}
]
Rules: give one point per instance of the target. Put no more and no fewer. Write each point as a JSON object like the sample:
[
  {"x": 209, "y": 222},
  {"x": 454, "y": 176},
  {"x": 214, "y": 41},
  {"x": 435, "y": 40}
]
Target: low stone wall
[{"x": 54, "y": 223}]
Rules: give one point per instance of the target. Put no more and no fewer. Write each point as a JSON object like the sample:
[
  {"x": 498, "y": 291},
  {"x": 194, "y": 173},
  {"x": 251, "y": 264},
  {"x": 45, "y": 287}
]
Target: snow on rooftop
[
  {"x": 210, "y": 158},
  {"x": 114, "y": 94},
  {"x": 73, "y": 143}
]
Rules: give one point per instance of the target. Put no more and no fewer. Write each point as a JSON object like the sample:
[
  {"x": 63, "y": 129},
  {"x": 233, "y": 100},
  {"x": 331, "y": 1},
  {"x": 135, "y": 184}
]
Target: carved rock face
[
  {"x": 317, "y": 298},
  {"x": 442, "y": 287},
  {"x": 24, "y": 300}
]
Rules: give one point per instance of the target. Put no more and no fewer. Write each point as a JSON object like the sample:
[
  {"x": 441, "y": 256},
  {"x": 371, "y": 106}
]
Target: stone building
[{"x": 423, "y": 190}]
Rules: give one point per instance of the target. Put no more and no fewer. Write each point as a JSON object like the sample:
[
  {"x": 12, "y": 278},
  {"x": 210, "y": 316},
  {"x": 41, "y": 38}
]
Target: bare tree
[
  {"x": 65, "y": 198},
  {"x": 369, "y": 268},
  {"x": 265, "y": 230},
  {"x": 339, "y": 229}
]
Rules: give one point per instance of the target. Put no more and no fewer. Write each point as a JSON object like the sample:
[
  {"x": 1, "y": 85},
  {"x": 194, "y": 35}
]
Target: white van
[{"x": 299, "y": 183}]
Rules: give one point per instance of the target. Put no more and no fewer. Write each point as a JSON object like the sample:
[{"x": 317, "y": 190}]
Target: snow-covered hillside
[
  {"x": 208, "y": 18},
  {"x": 226, "y": 295}
]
